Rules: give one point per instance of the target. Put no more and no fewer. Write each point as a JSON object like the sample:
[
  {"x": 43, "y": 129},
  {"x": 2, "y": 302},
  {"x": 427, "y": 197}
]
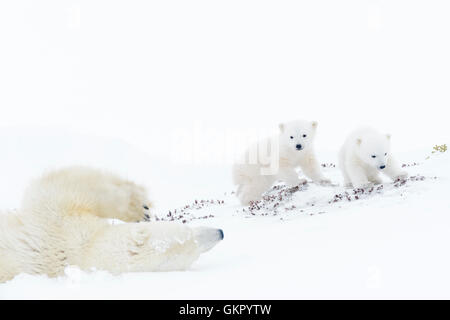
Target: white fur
[
  {"x": 359, "y": 168},
  {"x": 64, "y": 221},
  {"x": 253, "y": 178}
]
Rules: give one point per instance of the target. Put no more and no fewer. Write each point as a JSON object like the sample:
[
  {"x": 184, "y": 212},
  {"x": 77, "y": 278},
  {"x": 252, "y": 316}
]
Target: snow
[
  {"x": 132, "y": 87},
  {"x": 391, "y": 243}
]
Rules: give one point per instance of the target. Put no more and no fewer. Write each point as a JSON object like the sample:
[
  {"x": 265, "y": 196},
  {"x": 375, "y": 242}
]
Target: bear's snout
[
  {"x": 299, "y": 147},
  {"x": 207, "y": 238},
  {"x": 382, "y": 167}
]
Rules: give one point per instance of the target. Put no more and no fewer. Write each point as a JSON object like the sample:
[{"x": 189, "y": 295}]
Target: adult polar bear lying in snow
[
  {"x": 365, "y": 153},
  {"x": 63, "y": 221},
  {"x": 294, "y": 147}
]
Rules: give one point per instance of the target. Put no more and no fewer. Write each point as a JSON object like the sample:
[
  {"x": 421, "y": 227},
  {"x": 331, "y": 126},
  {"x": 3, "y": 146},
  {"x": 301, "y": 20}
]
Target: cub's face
[
  {"x": 297, "y": 135},
  {"x": 374, "y": 150}
]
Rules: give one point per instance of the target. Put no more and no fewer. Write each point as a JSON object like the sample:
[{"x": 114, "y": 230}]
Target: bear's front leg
[
  {"x": 358, "y": 177},
  {"x": 253, "y": 191},
  {"x": 311, "y": 168},
  {"x": 393, "y": 170},
  {"x": 290, "y": 177},
  {"x": 375, "y": 178},
  {"x": 83, "y": 190}
]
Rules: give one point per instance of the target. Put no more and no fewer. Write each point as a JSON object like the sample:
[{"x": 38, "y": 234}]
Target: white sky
[{"x": 138, "y": 70}]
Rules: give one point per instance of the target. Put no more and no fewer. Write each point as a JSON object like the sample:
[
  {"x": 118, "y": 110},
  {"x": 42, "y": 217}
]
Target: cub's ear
[
  {"x": 388, "y": 136},
  {"x": 358, "y": 141},
  {"x": 281, "y": 126},
  {"x": 314, "y": 124}
]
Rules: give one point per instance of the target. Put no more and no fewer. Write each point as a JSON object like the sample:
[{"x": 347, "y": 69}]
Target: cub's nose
[
  {"x": 299, "y": 147},
  {"x": 382, "y": 167}
]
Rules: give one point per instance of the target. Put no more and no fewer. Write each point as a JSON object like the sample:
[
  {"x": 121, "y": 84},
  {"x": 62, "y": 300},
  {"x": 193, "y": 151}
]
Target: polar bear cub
[
  {"x": 293, "y": 147},
  {"x": 64, "y": 221},
  {"x": 365, "y": 154}
]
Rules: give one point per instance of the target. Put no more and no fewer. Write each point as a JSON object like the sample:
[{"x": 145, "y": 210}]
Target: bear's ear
[
  {"x": 388, "y": 136},
  {"x": 314, "y": 124},
  {"x": 281, "y": 126},
  {"x": 358, "y": 141}
]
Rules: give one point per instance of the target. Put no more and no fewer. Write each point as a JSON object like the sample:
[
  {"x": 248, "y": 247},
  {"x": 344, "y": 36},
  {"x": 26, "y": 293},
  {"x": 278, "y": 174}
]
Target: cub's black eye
[
  {"x": 304, "y": 136},
  {"x": 374, "y": 156},
  {"x": 385, "y": 154},
  {"x": 292, "y": 137}
]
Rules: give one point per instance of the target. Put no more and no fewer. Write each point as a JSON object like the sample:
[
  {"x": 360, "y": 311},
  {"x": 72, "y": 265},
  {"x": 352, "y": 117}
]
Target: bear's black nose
[
  {"x": 382, "y": 167},
  {"x": 299, "y": 147}
]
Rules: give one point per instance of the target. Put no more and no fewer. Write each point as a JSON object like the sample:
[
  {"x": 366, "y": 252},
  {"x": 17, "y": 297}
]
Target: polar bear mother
[{"x": 64, "y": 221}]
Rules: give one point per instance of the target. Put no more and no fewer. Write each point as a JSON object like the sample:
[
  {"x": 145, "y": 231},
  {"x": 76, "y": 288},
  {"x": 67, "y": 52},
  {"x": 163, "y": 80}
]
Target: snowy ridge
[{"x": 307, "y": 199}]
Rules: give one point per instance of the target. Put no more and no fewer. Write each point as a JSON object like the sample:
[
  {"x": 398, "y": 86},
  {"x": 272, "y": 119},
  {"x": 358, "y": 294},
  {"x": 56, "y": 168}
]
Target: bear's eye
[
  {"x": 292, "y": 137},
  {"x": 385, "y": 154},
  {"x": 374, "y": 156},
  {"x": 304, "y": 136}
]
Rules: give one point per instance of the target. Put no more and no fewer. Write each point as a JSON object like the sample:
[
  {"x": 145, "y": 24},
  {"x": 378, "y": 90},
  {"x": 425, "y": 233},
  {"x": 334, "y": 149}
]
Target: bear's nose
[
  {"x": 299, "y": 147},
  {"x": 382, "y": 167}
]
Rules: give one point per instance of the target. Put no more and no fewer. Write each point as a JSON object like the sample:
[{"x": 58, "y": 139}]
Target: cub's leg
[
  {"x": 375, "y": 178},
  {"x": 393, "y": 169},
  {"x": 311, "y": 168},
  {"x": 83, "y": 190},
  {"x": 253, "y": 191},
  {"x": 357, "y": 176},
  {"x": 347, "y": 181},
  {"x": 342, "y": 166},
  {"x": 290, "y": 177}
]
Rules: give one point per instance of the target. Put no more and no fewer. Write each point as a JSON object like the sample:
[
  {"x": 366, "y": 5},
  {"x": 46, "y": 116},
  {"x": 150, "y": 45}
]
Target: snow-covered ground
[
  {"x": 391, "y": 243},
  {"x": 125, "y": 86}
]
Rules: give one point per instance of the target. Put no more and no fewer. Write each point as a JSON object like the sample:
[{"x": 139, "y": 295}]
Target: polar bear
[
  {"x": 64, "y": 221},
  {"x": 293, "y": 147},
  {"x": 365, "y": 153}
]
